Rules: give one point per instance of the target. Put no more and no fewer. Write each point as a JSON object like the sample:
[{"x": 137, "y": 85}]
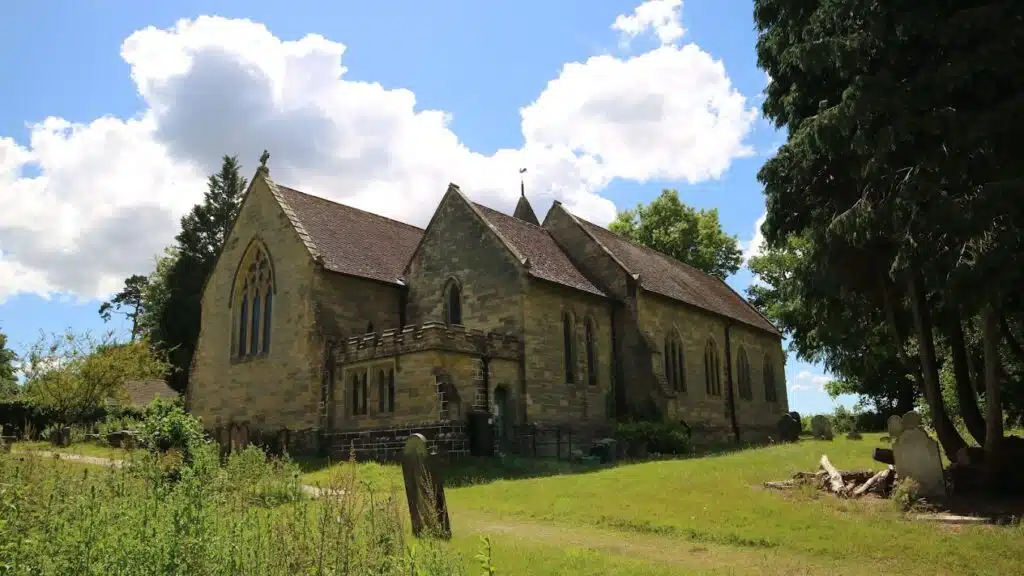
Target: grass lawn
[
  {"x": 711, "y": 512},
  {"x": 707, "y": 515}
]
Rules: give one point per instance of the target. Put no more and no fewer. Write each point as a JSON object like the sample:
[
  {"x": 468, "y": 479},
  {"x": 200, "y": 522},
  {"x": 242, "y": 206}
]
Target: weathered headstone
[
  {"x": 895, "y": 425},
  {"x": 917, "y": 456},
  {"x": 424, "y": 489},
  {"x": 911, "y": 420},
  {"x": 821, "y": 427},
  {"x": 789, "y": 428}
]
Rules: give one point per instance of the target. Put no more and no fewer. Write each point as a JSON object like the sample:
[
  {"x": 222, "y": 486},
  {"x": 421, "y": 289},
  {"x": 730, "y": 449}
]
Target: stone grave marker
[
  {"x": 424, "y": 489},
  {"x": 789, "y": 428},
  {"x": 911, "y": 420},
  {"x": 917, "y": 456},
  {"x": 821, "y": 427},
  {"x": 894, "y": 425}
]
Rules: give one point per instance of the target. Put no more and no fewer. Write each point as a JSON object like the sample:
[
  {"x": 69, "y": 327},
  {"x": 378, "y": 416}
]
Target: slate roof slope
[
  {"x": 547, "y": 260},
  {"x": 143, "y": 392},
  {"x": 353, "y": 241},
  {"x": 669, "y": 277}
]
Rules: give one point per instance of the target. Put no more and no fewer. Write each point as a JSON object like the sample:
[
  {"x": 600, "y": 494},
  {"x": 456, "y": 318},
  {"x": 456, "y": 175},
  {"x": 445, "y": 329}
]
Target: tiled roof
[
  {"x": 547, "y": 260},
  {"x": 669, "y": 277},
  {"x": 353, "y": 241},
  {"x": 142, "y": 392}
]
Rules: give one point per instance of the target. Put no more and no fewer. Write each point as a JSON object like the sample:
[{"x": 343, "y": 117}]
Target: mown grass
[{"x": 717, "y": 502}]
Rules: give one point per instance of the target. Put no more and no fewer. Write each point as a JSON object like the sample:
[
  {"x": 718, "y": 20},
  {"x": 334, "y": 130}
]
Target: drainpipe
[{"x": 730, "y": 398}]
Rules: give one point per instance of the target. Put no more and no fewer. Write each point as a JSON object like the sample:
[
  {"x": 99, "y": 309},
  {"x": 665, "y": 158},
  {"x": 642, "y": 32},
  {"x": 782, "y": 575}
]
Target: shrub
[
  {"x": 167, "y": 426},
  {"x": 657, "y": 437}
]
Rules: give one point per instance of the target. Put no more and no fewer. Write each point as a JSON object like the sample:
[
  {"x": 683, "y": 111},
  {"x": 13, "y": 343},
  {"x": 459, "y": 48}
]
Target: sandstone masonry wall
[
  {"x": 457, "y": 244},
  {"x": 549, "y": 398},
  {"x": 279, "y": 389}
]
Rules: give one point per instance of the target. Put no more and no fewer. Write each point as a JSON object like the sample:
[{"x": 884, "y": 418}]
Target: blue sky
[{"x": 121, "y": 110}]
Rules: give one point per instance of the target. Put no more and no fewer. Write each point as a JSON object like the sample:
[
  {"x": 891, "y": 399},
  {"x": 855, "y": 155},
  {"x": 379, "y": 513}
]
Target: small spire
[{"x": 524, "y": 211}]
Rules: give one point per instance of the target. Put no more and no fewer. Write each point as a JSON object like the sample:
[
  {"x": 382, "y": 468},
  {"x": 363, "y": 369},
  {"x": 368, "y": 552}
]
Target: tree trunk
[
  {"x": 949, "y": 438},
  {"x": 969, "y": 410},
  {"x": 1015, "y": 347},
  {"x": 993, "y": 406}
]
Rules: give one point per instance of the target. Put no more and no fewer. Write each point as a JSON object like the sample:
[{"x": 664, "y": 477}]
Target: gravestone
[
  {"x": 917, "y": 456},
  {"x": 911, "y": 420},
  {"x": 789, "y": 428},
  {"x": 894, "y": 425},
  {"x": 821, "y": 427},
  {"x": 424, "y": 489}
]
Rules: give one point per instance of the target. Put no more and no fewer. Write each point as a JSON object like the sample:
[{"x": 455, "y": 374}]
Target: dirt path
[{"x": 97, "y": 461}]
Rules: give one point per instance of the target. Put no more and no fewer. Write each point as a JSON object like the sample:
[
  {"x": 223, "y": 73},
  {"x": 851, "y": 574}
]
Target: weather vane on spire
[{"x": 522, "y": 185}]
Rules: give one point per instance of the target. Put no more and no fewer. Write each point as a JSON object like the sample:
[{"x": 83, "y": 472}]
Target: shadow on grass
[{"x": 474, "y": 470}]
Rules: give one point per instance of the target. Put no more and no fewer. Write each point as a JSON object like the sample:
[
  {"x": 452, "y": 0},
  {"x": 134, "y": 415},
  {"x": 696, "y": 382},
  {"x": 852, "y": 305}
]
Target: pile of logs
[{"x": 842, "y": 484}]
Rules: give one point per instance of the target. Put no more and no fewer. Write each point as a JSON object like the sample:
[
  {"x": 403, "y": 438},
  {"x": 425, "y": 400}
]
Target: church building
[{"x": 350, "y": 331}]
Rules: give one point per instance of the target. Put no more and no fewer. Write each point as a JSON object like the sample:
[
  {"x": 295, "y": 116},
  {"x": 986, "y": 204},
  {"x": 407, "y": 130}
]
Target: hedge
[{"x": 19, "y": 416}]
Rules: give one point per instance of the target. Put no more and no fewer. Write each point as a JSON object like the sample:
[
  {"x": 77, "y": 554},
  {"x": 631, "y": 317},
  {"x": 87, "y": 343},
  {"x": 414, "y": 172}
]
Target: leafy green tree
[
  {"x": 692, "y": 236},
  {"x": 8, "y": 370},
  {"x": 129, "y": 302},
  {"x": 73, "y": 375}
]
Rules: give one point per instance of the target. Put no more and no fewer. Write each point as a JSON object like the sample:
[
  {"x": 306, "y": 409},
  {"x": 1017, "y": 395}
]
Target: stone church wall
[
  {"x": 346, "y": 305},
  {"x": 279, "y": 389},
  {"x": 549, "y": 398},
  {"x": 706, "y": 414},
  {"x": 457, "y": 244}
]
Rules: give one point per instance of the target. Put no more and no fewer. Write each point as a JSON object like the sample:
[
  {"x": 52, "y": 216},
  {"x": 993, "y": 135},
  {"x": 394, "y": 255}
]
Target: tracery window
[
  {"x": 712, "y": 372},
  {"x": 675, "y": 365},
  {"x": 743, "y": 375},
  {"x": 253, "y": 299}
]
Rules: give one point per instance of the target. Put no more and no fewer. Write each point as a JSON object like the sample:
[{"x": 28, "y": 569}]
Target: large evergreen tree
[
  {"x": 899, "y": 170},
  {"x": 176, "y": 311}
]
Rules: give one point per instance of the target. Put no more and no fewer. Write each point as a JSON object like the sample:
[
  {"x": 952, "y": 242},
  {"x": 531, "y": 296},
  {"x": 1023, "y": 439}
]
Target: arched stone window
[
  {"x": 253, "y": 295},
  {"x": 568, "y": 349},
  {"x": 675, "y": 362},
  {"x": 712, "y": 372},
  {"x": 770, "y": 392},
  {"x": 386, "y": 391},
  {"x": 359, "y": 393},
  {"x": 453, "y": 303},
  {"x": 743, "y": 375},
  {"x": 590, "y": 335}
]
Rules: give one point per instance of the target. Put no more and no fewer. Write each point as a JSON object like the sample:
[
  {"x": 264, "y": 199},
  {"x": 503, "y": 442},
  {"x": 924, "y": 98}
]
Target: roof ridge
[{"x": 349, "y": 206}]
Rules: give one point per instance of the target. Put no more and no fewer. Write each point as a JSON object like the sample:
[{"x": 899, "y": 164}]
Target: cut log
[
  {"x": 878, "y": 480},
  {"x": 784, "y": 485},
  {"x": 835, "y": 479},
  {"x": 885, "y": 456}
]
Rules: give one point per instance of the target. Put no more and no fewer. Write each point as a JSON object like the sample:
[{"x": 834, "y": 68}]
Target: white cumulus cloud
[
  {"x": 87, "y": 204},
  {"x": 806, "y": 381},
  {"x": 663, "y": 17},
  {"x": 755, "y": 245}
]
